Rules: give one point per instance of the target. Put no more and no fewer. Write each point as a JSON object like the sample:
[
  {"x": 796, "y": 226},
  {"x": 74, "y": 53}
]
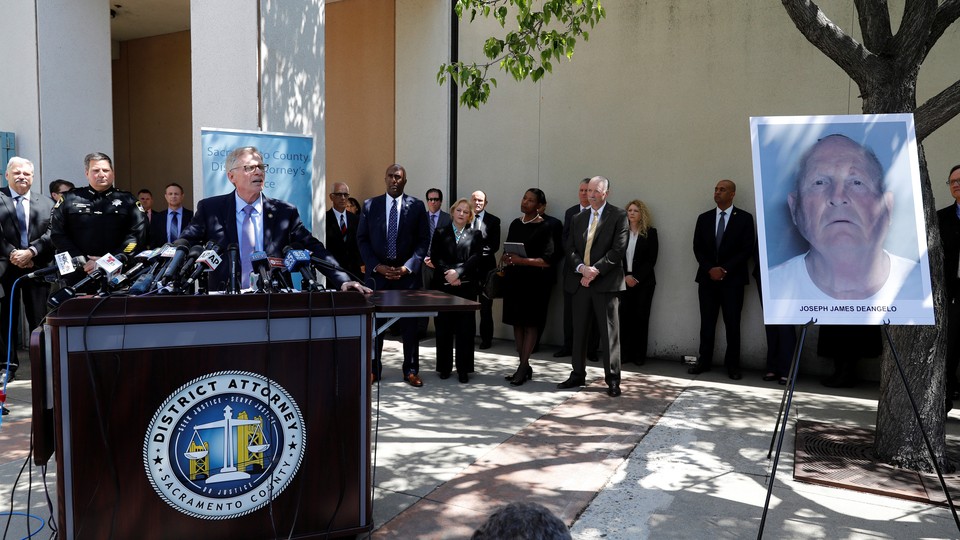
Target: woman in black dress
[
  {"x": 638, "y": 262},
  {"x": 455, "y": 254},
  {"x": 526, "y": 279}
]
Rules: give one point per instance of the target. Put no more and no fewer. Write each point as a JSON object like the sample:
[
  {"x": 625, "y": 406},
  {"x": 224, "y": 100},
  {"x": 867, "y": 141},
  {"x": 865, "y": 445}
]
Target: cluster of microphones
[{"x": 179, "y": 268}]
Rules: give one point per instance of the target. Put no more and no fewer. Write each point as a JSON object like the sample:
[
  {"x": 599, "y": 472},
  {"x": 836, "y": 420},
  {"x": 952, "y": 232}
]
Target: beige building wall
[
  {"x": 360, "y": 108},
  {"x": 152, "y": 115},
  {"x": 659, "y": 101}
]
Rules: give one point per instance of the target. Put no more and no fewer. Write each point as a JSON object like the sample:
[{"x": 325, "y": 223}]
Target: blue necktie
[
  {"x": 248, "y": 244},
  {"x": 720, "y": 227},
  {"x": 173, "y": 233},
  {"x": 392, "y": 232},
  {"x": 22, "y": 218}
]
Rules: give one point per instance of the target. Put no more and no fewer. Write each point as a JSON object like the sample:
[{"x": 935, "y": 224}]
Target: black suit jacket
[
  {"x": 413, "y": 236},
  {"x": 735, "y": 249},
  {"x": 464, "y": 257},
  {"x": 344, "y": 248},
  {"x": 490, "y": 229},
  {"x": 950, "y": 239},
  {"x": 644, "y": 258},
  {"x": 443, "y": 220},
  {"x": 606, "y": 252},
  {"x": 158, "y": 226},
  {"x": 216, "y": 220}
]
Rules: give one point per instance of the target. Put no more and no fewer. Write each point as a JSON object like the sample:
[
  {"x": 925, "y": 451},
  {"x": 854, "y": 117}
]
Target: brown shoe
[{"x": 414, "y": 380}]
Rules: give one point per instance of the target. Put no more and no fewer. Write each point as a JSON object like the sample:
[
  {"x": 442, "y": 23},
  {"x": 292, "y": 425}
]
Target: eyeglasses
[
  {"x": 251, "y": 168},
  {"x": 954, "y": 182},
  {"x": 344, "y": 195},
  {"x": 395, "y": 176},
  {"x": 434, "y": 199}
]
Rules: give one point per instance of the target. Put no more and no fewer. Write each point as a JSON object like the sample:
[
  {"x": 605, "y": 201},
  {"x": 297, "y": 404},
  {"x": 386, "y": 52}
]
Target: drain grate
[{"x": 842, "y": 456}]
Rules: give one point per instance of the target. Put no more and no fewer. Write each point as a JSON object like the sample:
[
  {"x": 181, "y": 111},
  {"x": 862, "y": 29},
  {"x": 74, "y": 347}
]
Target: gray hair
[
  {"x": 603, "y": 180},
  {"x": 234, "y": 156},
  {"x": 18, "y": 161}
]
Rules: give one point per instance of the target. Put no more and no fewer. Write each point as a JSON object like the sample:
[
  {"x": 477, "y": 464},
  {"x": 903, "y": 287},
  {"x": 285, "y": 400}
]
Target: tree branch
[
  {"x": 937, "y": 111},
  {"x": 852, "y": 57},
  {"x": 911, "y": 39},
  {"x": 874, "y": 16},
  {"x": 947, "y": 14}
]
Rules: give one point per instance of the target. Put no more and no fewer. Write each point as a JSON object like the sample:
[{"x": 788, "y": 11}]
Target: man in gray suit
[{"x": 594, "y": 277}]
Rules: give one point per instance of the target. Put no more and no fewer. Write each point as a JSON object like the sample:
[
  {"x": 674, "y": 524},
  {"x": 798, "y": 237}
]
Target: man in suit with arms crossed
[
  {"x": 24, "y": 250},
  {"x": 722, "y": 243},
  {"x": 342, "y": 230},
  {"x": 167, "y": 224},
  {"x": 489, "y": 226},
  {"x": 594, "y": 277},
  {"x": 393, "y": 237},
  {"x": 254, "y": 222}
]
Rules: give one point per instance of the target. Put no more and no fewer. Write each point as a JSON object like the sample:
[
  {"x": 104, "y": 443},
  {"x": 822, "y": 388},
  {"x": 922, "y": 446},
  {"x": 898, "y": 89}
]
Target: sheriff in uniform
[{"x": 97, "y": 219}]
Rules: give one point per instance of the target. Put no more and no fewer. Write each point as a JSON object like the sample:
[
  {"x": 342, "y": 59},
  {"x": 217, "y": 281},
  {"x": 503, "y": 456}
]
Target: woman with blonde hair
[{"x": 640, "y": 280}]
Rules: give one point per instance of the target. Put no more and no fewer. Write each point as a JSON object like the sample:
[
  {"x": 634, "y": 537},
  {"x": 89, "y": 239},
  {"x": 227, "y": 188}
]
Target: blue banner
[{"x": 289, "y": 175}]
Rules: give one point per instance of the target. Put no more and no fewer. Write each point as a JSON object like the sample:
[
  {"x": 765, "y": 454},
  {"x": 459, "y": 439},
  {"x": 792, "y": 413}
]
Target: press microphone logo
[{"x": 224, "y": 445}]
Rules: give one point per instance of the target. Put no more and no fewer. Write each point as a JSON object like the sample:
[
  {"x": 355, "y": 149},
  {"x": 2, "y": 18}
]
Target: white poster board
[{"x": 841, "y": 240}]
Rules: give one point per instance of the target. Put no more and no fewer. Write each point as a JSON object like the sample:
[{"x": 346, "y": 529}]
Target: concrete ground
[{"x": 676, "y": 456}]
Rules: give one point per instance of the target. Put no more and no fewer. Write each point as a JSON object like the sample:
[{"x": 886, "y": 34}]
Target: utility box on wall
[{"x": 8, "y": 147}]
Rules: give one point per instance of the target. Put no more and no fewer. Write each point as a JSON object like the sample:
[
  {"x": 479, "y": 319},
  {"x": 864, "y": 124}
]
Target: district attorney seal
[{"x": 224, "y": 445}]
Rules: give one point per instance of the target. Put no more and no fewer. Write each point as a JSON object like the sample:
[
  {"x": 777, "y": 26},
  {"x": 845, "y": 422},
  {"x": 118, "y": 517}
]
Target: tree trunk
[{"x": 899, "y": 440}]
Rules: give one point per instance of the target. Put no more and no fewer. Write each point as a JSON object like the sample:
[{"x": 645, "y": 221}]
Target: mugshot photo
[{"x": 840, "y": 222}]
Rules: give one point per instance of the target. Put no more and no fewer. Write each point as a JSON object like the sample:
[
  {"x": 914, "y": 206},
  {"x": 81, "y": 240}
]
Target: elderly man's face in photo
[{"x": 839, "y": 201}]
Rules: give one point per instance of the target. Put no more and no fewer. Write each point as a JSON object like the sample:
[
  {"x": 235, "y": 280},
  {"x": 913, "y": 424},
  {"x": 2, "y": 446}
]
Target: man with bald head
[
  {"x": 722, "y": 243},
  {"x": 842, "y": 208},
  {"x": 489, "y": 226}
]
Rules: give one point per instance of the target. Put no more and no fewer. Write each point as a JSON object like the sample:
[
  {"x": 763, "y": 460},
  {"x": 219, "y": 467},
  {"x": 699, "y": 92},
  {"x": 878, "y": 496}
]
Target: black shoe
[
  {"x": 593, "y": 357},
  {"x": 770, "y": 377},
  {"x": 520, "y": 378},
  {"x": 698, "y": 369},
  {"x": 613, "y": 390},
  {"x": 485, "y": 344},
  {"x": 735, "y": 375},
  {"x": 6, "y": 411},
  {"x": 444, "y": 375},
  {"x": 562, "y": 352},
  {"x": 571, "y": 382},
  {"x": 462, "y": 377}
]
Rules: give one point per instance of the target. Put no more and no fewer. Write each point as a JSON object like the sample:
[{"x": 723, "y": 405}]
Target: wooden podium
[{"x": 138, "y": 422}]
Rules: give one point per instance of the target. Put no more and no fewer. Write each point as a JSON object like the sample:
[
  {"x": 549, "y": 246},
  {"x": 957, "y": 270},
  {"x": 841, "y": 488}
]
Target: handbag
[{"x": 493, "y": 284}]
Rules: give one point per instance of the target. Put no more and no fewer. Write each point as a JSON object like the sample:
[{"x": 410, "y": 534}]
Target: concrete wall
[
  {"x": 659, "y": 101},
  {"x": 56, "y": 91}
]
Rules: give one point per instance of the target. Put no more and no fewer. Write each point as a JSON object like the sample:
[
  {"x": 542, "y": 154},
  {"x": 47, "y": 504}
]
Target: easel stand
[{"x": 780, "y": 429}]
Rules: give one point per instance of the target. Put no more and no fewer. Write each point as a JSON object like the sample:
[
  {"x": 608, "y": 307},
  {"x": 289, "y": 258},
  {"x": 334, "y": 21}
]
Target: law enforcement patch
[{"x": 224, "y": 445}]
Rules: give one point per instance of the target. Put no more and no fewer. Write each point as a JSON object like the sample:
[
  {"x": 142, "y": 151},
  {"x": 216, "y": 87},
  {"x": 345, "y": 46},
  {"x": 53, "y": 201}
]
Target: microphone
[
  {"x": 208, "y": 261},
  {"x": 176, "y": 261},
  {"x": 65, "y": 264},
  {"x": 191, "y": 262},
  {"x": 261, "y": 265},
  {"x": 144, "y": 283},
  {"x": 296, "y": 259},
  {"x": 108, "y": 266},
  {"x": 322, "y": 263},
  {"x": 143, "y": 260},
  {"x": 233, "y": 270}
]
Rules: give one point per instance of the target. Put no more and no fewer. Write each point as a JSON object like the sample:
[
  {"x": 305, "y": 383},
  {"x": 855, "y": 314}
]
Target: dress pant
[
  {"x": 714, "y": 298},
  {"x": 408, "y": 330},
  {"x": 603, "y": 309},
  {"x": 32, "y": 295},
  {"x": 458, "y": 327},
  {"x": 953, "y": 344},
  {"x": 635, "y": 321}
]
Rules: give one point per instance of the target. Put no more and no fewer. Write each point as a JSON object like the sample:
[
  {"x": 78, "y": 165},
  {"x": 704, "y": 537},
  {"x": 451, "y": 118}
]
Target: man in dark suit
[
  {"x": 489, "y": 226},
  {"x": 167, "y": 224},
  {"x": 723, "y": 244},
  {"x": 949, "y": 219},
  {"x": 254, "y": 222},
  {"x": 567, "y": 348},
  {"x": 342, "y": 230},
  {"x": 26, "y": 246},
  {"x": 437, "y": 219},
  {"x": 393, "y": 238},
  {"x": 594, "y": 277}
]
